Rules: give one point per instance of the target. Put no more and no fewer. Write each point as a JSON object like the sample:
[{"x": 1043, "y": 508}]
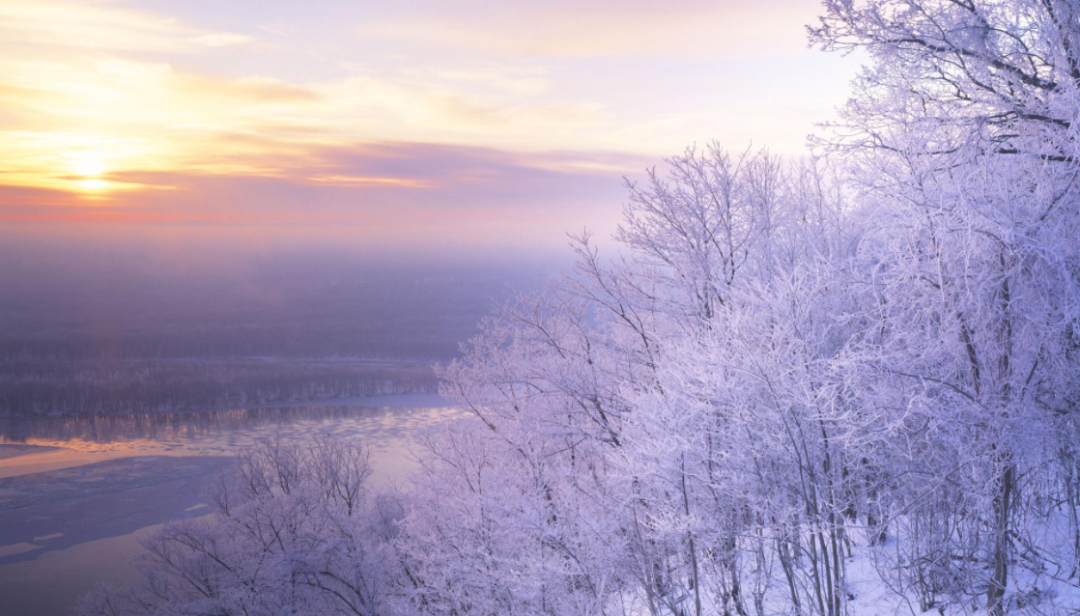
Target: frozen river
[{"x": 76, "y": 495}]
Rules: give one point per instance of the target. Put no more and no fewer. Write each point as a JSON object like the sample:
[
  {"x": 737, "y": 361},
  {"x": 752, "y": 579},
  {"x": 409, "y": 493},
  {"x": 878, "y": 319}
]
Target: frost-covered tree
[
  {"x": 962, "y": 133},
  {"x": 296, "y": 533},
  {"x": 613, "y": 460}
]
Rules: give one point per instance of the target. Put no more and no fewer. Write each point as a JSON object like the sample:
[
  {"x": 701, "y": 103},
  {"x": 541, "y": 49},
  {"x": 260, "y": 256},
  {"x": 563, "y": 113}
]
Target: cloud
[
  {"x": 477, "y": 115},
  {"x": 221, "y": 39},
  {"x": 245, "y": 91},
  {"x": 564, "y": 29},
  {"x": 392, "y": 193},
  {"x": 102, "y": 26},
  {"x": 128, "y": 114}
]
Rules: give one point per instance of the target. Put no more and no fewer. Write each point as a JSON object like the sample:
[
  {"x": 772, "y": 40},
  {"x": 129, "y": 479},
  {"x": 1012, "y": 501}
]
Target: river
[{"x": 78, "y": 494}]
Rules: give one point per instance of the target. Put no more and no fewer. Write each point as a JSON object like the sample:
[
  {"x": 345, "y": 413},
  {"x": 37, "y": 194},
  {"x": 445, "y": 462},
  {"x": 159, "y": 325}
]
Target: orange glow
[
  {"x": 104, "y": 103},
  {"x": 348, "y": 180},
  {"x": 92, "y": 186}
]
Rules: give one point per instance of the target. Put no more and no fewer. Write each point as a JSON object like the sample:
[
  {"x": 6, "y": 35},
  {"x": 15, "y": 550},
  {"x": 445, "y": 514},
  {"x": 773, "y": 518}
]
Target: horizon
[{"x": 485, "y": 128}]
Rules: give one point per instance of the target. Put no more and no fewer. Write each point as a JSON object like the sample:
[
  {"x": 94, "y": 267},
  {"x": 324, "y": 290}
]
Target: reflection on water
[
  {"x": 386, "y": 429},
  {"x": 220, "y": 432},
  {"x": 93, "y": 432}
]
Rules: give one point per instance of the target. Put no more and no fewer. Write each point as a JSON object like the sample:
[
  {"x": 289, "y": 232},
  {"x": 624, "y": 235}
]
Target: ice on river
[{"x": 77, "y": 494}]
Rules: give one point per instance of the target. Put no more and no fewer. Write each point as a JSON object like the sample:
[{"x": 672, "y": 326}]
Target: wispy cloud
[
  {"x": 447, "y": 195},
  {"x": 371, "y": 115},
  {"x": 635, "y": 29},
  {"x": 102, "y": 26}
]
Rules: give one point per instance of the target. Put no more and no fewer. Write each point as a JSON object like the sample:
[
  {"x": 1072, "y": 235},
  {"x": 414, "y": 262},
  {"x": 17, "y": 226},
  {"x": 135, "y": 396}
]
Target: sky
[{"x": 450, "y": 126}]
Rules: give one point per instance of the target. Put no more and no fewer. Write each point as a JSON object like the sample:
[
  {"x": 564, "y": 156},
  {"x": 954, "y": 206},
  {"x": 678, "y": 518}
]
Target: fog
[{"x": 144, "y": 318}]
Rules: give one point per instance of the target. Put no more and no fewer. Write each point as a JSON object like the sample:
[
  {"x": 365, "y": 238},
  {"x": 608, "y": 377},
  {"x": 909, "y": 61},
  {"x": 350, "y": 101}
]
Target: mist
[{"x": 149, "y": 318}]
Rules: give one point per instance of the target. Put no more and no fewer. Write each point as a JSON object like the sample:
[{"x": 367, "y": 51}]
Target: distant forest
[
  {"x": 52, "y": 388},
  {"x": 120, "y": 341}
]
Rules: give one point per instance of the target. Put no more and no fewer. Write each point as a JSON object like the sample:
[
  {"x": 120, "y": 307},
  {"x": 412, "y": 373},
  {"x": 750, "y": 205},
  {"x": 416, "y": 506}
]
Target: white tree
[
  {"x": 963, "y": 132},
  {"x": 590, "y": 415},
  {"x": 295, "y": 533}
]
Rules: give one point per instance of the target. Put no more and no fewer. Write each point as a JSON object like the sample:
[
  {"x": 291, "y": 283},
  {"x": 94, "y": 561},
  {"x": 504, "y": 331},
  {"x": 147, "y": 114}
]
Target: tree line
[{"x": 42, "y": 388}]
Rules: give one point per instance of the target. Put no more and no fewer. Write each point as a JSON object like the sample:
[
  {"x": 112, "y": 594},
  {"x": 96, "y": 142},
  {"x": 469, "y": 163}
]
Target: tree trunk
[{"x": 995, "y": 594}]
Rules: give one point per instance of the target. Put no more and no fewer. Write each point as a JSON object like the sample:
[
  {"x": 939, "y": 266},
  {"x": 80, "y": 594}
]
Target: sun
[
  {"x": 88, "y": 167},
  {"x": 92, "y": 185}
]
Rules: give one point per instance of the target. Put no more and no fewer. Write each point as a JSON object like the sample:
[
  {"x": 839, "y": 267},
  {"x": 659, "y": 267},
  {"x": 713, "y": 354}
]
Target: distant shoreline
[
  {"x": 14, "y": 450},
  {"x": 397, "y": 400},
  {"x": 391, "y": 400}
]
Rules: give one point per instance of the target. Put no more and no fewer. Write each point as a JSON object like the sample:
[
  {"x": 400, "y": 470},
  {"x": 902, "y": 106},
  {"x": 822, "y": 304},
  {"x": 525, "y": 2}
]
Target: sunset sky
[{"x": 384, "y": 121}]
